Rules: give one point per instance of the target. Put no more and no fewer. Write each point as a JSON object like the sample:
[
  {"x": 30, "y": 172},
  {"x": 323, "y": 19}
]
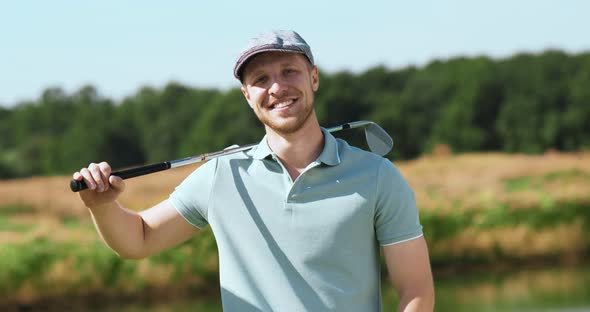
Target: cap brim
[{"x": 246, "y": 57}]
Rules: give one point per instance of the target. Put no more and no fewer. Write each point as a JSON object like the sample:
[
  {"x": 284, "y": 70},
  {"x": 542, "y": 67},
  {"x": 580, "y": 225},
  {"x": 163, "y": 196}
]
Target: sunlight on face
[{"x": 280, "y": 88}]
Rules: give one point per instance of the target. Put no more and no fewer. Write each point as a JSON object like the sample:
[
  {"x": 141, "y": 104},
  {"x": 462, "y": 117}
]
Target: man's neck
[{"x": 297, "y": 150}]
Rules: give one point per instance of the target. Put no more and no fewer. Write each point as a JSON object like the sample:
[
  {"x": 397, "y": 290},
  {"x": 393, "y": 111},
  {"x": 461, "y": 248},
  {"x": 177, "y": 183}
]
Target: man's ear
[
  {"x": 246, "y": 95},
  {"x": 315, "y": 79}
]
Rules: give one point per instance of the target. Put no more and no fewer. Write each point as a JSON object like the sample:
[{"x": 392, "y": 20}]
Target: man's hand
[{"x": 103, "y": 189}]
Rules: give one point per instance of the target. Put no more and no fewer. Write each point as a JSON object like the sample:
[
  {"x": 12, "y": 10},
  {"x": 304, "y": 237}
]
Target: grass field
[{"x": 475, "y": 208}]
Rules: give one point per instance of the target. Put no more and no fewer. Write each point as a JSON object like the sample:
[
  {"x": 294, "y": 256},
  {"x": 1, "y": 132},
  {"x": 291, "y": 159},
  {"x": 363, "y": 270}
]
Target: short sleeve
[
  {"x": 191, "y": 197},
  {"x": 396, "y": 217}
]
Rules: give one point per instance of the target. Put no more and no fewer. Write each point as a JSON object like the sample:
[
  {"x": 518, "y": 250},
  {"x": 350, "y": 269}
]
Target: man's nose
[{"x": 277, "y": 87}]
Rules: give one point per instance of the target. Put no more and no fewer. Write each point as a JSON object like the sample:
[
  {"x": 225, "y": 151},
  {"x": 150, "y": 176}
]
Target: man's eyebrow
[{"x": 254, "y": 73}]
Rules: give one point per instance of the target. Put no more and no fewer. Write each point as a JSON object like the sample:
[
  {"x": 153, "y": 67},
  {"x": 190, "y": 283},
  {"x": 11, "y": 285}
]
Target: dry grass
[
  {"x": 518, "y": 242},
  {"x": 441, "y": 182},
  {"x": 438, "y": 181},
  {"x": 45, "y": 226},
  {"x": 52, "y": 195},
  {"x": 475, "y": 180}
]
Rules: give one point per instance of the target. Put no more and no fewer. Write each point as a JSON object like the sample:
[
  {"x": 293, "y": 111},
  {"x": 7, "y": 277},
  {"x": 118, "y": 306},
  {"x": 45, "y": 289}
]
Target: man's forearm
[
  {"x": 120, "y": 228},
  {"x": 409, "y": 270},
  {"x": 417, "y": 303}
]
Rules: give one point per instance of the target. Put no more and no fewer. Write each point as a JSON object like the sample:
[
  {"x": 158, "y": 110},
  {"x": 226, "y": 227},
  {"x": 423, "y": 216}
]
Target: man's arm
[
  {"x": 134, "y": 235},
  {"x": 129, "y": 233},
  {"x": 409, "y": 270}
]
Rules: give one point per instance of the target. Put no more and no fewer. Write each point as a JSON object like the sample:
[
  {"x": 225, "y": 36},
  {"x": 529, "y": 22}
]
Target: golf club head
[{"x": 378, "y": 140}]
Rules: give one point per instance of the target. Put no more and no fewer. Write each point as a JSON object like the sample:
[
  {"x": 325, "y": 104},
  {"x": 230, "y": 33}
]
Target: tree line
[{"x": 526, "y": 103}]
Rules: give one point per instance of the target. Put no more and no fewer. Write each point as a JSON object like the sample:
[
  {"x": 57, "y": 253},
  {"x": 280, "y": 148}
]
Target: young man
[{"x": 299, "y": 219}]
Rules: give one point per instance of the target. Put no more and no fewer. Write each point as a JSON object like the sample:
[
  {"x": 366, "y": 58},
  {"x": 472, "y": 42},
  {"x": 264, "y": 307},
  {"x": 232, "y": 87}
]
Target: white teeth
[{"x": 283, "y": 104}]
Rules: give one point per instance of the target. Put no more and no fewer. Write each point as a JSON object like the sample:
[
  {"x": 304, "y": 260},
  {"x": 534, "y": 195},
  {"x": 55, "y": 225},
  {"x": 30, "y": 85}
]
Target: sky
[{"x": 121, "y": 46}]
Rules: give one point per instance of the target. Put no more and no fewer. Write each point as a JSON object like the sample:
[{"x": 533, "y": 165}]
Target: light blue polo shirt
[{"x": 306, "y": 245}]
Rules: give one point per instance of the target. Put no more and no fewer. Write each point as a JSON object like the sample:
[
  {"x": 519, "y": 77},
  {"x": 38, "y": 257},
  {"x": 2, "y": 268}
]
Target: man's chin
[{"x": 285, "y": 126}]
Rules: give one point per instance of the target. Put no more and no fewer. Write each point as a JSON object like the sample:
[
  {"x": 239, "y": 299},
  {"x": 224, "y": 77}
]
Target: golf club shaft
[{"x": 77, "y": 186}]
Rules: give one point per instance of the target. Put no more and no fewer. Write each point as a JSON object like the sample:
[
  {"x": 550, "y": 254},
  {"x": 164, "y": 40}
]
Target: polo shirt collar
[
  {"x": 328, "y": 156},
  {"x": 262, "y": 150}
]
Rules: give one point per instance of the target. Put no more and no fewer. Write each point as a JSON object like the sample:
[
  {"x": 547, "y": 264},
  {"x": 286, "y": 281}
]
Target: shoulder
[
  {"x": 354, "y": 156},
  {"x": 210, "y": 167},
  {"x": 226, "y": 165},
  {"x": 241, "y": 155},
  {"x": 386, "y": 174}
]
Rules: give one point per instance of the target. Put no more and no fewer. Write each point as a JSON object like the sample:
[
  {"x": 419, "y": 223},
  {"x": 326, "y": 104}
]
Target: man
[{"x": 299, "y": 219}]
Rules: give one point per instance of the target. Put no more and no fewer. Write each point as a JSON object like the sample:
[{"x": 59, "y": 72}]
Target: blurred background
[{"x": 488, "y": 105}]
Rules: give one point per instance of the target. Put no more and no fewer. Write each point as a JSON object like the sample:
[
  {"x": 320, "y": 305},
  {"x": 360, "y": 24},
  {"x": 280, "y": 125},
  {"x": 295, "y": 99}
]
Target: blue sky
[{"x": 119, "y": 46}]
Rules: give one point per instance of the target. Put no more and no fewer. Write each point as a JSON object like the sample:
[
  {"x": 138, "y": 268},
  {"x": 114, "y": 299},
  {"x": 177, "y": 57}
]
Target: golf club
[{"x": 378, "y": 140}]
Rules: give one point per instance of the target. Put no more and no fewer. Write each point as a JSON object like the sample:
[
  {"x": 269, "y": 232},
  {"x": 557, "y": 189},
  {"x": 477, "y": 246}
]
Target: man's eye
[
  {"x": 260, "y": 79},
  {"x": 289, "y": 71}
]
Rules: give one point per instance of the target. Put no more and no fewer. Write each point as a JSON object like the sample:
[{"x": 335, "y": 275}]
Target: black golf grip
[{"x": 77, "y": 186}]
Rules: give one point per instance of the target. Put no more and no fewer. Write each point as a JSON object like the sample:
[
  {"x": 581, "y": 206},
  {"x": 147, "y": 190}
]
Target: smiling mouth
[{"x": 283, "y": 104}]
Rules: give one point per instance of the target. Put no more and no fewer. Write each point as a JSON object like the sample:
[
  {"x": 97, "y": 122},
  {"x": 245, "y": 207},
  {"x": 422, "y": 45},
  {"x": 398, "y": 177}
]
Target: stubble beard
[{"x": 289, "y": 127}]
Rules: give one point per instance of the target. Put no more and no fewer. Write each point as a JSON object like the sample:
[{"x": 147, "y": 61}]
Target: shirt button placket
[{"x": 294, "y": 192}]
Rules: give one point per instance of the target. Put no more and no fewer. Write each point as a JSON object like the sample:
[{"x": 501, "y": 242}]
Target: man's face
[{"x": 280, "y": 86}]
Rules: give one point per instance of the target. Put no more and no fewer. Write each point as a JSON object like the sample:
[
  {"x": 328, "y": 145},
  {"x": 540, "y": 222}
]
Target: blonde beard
[{"x": 287, "y": 128}]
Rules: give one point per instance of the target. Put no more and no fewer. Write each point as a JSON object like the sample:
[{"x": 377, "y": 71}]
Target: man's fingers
[
  {"x": 117, "y": 183},
  {"x": 88, "y": 178},
  {"x": 105, "y": 170},
  {"x": 97, "y": 176},
  {"x": 102, "y": 187}
]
